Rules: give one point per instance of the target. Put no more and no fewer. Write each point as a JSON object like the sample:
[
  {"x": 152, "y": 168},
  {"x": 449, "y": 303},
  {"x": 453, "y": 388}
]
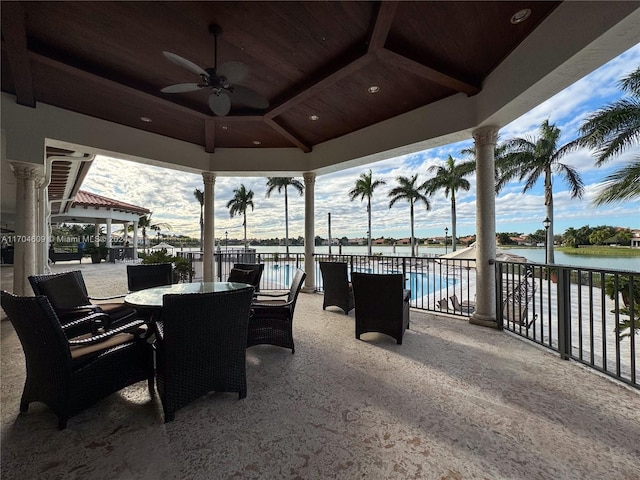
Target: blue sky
[{"x": 169, "y": 193}]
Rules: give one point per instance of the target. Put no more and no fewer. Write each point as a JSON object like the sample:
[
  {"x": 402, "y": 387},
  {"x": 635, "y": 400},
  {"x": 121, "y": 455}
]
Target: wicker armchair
[
  {"x": 71, "y": 375},
  {"x": 252, "y": 278},
  {"x": 271, "y": 319},
  {"x": 201, "y": 342},
  {"x": 140, "y": 277},
  {"x": 382, "y": 304},
  {"x": 337, "y": 289},
  {"x": 68, "y": 296}
]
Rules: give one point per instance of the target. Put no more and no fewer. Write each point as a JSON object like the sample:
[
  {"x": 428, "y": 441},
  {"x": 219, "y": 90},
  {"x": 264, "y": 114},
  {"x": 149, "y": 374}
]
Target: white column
[
  {"x": 485, "y": 143},
  {"x": 309, "y": 231},
  {"x": 109, "y": 233},
  {"x": 135, "y": 240},
  {"x": 26, "y": 234},
  {"x": 209, "y": 225},
  {"x": 43, "y": 227}
]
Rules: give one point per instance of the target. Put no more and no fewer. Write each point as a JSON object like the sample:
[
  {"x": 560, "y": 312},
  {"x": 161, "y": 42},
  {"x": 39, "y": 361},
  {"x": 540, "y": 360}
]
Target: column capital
[
  {"x": 309, "y": 178},
  {"x": 209, "y": 178},
  {"x": 486, "y": 135},
  {"x": 27, "y": 171}
]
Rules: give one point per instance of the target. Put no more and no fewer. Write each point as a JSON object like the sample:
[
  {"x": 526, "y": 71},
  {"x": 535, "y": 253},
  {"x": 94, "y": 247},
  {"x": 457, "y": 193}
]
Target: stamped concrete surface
[{"x": 454, "y": 401}]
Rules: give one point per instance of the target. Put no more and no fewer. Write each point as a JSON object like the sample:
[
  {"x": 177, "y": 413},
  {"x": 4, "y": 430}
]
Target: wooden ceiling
[{"x": 104, "y": 59}]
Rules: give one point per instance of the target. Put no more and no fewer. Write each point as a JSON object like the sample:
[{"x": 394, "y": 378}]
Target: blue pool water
[{"x": 420, "y": 284}]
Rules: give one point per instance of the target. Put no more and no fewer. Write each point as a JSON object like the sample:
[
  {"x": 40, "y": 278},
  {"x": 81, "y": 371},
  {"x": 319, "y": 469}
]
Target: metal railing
[
  {"x": 575, "y": 316},
  {"x": 585, "y": 314}
]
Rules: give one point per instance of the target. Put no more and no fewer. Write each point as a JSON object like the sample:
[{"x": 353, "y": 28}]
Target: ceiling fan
[{"x": 222, "y": 81}]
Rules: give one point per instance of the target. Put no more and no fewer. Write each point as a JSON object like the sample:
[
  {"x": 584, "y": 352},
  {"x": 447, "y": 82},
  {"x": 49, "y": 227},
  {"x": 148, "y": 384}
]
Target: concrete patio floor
[{"x": 455, "y": 401}]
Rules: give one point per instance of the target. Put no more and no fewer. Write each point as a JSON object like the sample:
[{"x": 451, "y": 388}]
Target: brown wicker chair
[
  {"x": 252, "y": 278},
  {"x": 70, "y": 375},
  {"x": 382, "y": 304},
  {"x": 337, "y": 289},
  {"x": 271, "y": 320},
  {"x": 201, "y": 342},
  {"x": 140, "y": 277},
  {"x": 68, "y": 296}
]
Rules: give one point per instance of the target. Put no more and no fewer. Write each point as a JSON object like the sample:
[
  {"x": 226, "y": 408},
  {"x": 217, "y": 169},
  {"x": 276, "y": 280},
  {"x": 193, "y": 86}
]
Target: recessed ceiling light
[
  {"x": 314, "y": 118},
  {"x": 224, "y": 127},
  {"x": 373, "y": 89},
  {"x": 257, "y": 142},
  {"x": 146, "y": 119},
  {"x": 520, "y": 16}
]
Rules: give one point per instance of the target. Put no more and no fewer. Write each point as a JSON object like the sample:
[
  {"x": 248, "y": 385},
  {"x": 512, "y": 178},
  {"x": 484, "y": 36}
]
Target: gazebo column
[
  {"x": 209, "y": 226},
  {"x": 108, "y": 233},
  {"x": 43, "y": 227},
  {"x": 135, "y": 240},
  {"x": 26, "y": 234},
  {"x": 485, "y": 142},
  {"x": 309, "y": 231}
]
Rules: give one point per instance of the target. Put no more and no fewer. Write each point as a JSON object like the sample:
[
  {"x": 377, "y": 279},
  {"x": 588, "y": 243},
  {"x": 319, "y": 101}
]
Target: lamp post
[
  {"x": 446, "y": 232},
  {"x": 546, "y": 223},
  {"x": 158, "y": 235},
  {"x": 226, "y": 242}
]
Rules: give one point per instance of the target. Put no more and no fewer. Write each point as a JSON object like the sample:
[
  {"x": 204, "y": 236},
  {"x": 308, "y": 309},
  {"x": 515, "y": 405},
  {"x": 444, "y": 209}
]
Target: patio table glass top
[{"x": 152, "y": 297}]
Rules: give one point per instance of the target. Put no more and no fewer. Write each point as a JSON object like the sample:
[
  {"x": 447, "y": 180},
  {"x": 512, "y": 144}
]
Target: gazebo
[{"x": 337, "y": 84}]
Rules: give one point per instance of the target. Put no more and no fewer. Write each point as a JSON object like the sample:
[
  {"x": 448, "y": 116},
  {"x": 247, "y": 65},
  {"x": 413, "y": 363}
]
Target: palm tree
[
  {"x": 280, "y": 183},
  {"x": 145, "y": 222},
  {"x": 242, "y": 199},
  {"x": 364, "y": 188},
  {"x": 409, "y": 191},
  {"x": 529, "y": 159},
  {"x": 610, "y": 131},
  {"x": 450, "y": 177},
  {"x": 199, "y": 194}
]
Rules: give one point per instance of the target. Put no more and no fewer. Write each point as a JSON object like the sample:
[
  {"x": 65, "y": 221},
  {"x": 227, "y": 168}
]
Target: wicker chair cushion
[
  {"x": 119, "y": 339},
  {"x": 242, "y": 276},
  {"x": 64, "y": 292}
]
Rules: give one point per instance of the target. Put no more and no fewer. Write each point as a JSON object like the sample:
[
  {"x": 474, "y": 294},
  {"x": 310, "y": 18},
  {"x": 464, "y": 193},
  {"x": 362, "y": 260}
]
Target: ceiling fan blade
[
  {"x": 183, "y": 62},
  {"x": 234, "y": 72},
  {"x": 248, "y": 97},
  {"x": 181, "y": 88},
  {"x": 220, "y": 104}
]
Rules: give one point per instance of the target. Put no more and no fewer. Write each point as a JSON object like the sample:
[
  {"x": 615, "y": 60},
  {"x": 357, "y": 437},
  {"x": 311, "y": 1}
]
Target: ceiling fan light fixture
[
  {"x": 520, "y": 16},
  {"x": 373, "y": 89}
]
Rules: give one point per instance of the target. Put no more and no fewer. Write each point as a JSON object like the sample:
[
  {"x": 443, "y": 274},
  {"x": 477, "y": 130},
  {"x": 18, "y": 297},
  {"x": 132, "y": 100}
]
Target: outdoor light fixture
[
  {"x": 373, "y": 89},
  {"x": 520, "y": 16},
  {"x": 226, "y": 241},
  {"x": 314, "y": 118},
  {"x": 146, "y": 119},
  {"x": 546, "y": 223},
  {"x": 446, "y": 232}
]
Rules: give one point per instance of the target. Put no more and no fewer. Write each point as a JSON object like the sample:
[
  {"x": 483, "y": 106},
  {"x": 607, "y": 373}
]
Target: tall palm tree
[
  {"x": 529, "y": 159},
  {"x": 242, "y": 199},
  {"x": 199, "y": 194},
  {"x": 145, "y": 222},
  {"x": 408, "y": 190},
  {"x": 364, "y": 188},
  {"x": 283, "y": 183},
  {"x": 610, "y": 131},
  {"x": 450, "y": 177}
]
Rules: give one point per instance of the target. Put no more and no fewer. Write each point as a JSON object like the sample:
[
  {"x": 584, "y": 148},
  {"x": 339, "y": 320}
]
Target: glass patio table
[{"x": 151, "y": 298}]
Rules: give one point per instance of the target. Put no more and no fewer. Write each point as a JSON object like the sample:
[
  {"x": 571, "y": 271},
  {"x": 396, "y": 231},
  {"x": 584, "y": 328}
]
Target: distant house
[{"x": 635, "y": 239}]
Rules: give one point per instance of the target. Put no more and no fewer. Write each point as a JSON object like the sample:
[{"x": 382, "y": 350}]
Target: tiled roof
[{"x": 87, "y": 199}]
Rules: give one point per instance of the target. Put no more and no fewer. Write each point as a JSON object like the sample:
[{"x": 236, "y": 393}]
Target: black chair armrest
[
  {"x": 159, "y": 327},
  {"x": 89, "y": 308},
  {"x": 127, "y": 328},
  {"x": 96, "y": 319}
]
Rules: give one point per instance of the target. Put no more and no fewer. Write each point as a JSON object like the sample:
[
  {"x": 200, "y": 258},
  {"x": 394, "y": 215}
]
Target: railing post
[
  {"x": 564, "y": 313},
  {"x": 499, "y": 296}
]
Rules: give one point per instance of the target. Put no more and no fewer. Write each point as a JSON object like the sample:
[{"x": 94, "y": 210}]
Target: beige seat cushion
[{"x": 118, "y": 339}]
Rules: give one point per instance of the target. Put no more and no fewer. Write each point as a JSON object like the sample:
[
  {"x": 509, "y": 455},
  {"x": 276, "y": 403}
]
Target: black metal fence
[
  {"x": 585, "y": 314},
  {"x": 588, "y": 315}
]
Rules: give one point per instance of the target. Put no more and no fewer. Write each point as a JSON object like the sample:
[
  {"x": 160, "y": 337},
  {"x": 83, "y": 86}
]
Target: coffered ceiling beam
[
  {"x": 14, "y": 34},
  {"x": 384, "y": 18}
]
